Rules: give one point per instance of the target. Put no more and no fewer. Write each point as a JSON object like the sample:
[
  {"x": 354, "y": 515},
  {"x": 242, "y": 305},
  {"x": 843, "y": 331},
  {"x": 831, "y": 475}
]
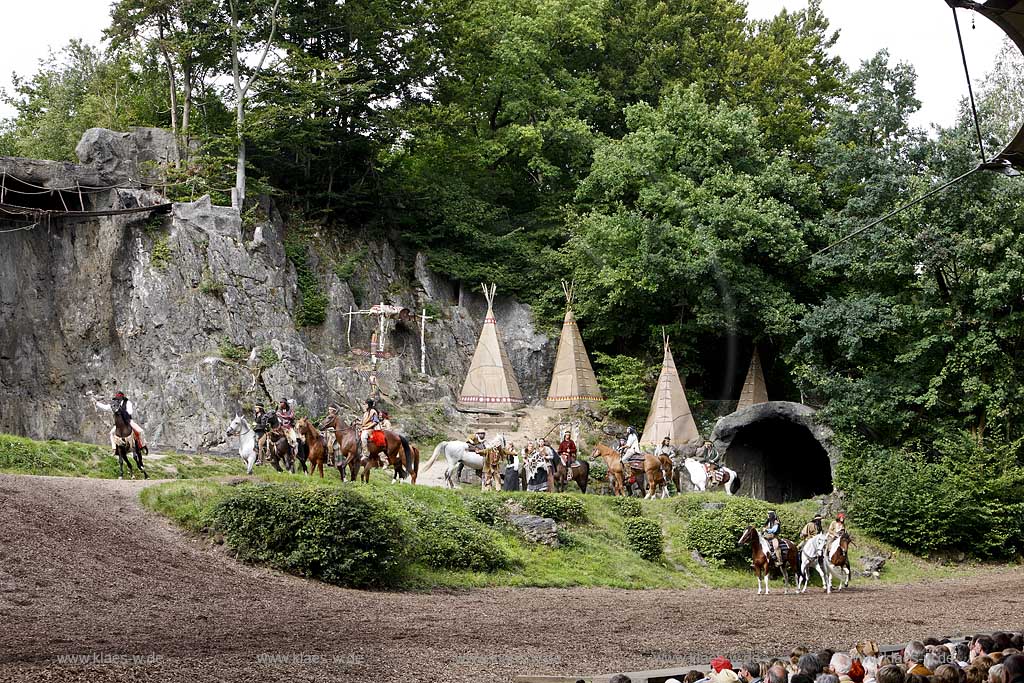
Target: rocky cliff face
[{"x": 192, "y": 313}]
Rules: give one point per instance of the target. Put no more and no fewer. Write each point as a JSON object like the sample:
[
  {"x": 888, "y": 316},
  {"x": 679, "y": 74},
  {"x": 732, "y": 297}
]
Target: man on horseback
[
  {"x": 666, "y": 449},
  {"x": 632, "y": 447},
  {"x": 385, "y": 421},
  {"x": 120, "y": 402},
  {"x": 330, "y": 422},
  {"x": 567, "y": 450},
  {"x": 709, "y": 455},
  {"x": 771, "y": 534},
  {"x": 368, "y": 423},
  {"x": 475, "y": 442},
  {"x": 810, "y": 530},
  {"x": 260, "y": 426}
]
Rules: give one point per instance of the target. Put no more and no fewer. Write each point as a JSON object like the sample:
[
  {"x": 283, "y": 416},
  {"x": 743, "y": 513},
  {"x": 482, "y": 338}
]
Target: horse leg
[
  {"x": 758, "y": 573},
  {"x": 120, "y": 462}
]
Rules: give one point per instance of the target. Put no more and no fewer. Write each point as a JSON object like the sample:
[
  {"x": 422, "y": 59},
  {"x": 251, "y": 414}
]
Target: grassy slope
[
  {"x": 71, "y": 459},
  {"x": 596, "y": 552}
]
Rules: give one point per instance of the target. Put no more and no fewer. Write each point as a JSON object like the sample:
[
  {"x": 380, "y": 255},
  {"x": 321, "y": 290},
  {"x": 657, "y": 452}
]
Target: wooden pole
[
  {"x": 348, "y": 335},
  {"x": 380, "y": 319},
  {"x": 423, "y": 342}
]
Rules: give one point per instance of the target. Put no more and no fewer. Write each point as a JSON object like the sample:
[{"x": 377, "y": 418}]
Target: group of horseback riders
[
  {"x": 772, "y": 527},
  {"x": 538, "y": 456}
]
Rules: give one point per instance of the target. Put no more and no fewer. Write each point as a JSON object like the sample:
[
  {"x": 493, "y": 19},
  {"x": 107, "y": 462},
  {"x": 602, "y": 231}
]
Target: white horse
[
  {"x": 457, "y": 453},
  {"x": 246, "y": 441},
  {"x": 699, "y": 476},
  {"x": 813, "y": 555}
]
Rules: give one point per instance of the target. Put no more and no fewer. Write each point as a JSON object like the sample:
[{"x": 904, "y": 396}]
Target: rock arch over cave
[{"x": 778, "y": 450}]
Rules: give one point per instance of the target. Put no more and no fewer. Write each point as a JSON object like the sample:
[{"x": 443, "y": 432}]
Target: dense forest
[{"x": 680, "y": 161}]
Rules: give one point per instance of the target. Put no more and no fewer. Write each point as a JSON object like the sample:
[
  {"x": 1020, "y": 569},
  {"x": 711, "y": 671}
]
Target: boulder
[
  {"x": 111, "y": 154},
  {"x": 872, "y": 564},
  {"x": 537, "y": 529}
]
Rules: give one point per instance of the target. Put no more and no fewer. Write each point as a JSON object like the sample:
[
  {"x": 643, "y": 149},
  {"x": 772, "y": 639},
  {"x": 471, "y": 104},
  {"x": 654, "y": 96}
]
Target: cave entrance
[{"x": 779, "y": 460}]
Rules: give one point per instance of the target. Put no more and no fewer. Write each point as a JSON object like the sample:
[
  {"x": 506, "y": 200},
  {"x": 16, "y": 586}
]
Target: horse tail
[
  {"x": 437, "y": 451},
  {"x": 408, "y": 456}
]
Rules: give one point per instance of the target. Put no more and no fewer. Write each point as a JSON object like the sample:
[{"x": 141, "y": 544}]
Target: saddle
[{"x": 378, "y": 439}]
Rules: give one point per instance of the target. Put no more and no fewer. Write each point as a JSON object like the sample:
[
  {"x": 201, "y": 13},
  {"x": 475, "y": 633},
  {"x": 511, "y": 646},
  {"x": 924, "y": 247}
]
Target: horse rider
[
  {"x": 708, "y": 454},
  {"x": 329, "y": 421},
  {"x": 259, "y": 428},
  {"x": 567, "y": 450},
  {"x": 119, "y": 402},
  {"x": 810, "y": 530},
  {"x": 475, "y": 441},
  {"x": 369, "y": 422},
  {"x": 772, "y": 526},
  {"x": 385, "y": 421},
  {"x": 836, "y": 528},
  {"x": 632, "y": 445}
]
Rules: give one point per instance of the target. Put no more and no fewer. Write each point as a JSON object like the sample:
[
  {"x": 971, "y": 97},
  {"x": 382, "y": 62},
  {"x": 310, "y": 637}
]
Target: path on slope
[{"x": 86, "y": 571}]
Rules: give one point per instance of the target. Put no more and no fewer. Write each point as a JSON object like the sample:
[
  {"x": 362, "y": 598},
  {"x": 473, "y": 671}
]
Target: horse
[
  {"x": 616, "y": 473},
  {"x": 839, "y": 561},
  {"x": 280, "y": 450},
  {"x": 812, "y": 555},
  {"x": 344, "y": 437},
  {"x": 125, "y": 440},
  {"x": 395, "y": 448},
  {"x": 579, "y": 474},
  {"x": 762, "y": 563},
  {"x": 699, "y": 477},
  {"x": 246, "y": 441},
  {"x": 316, "y": 445},
  {"x": 458, "y": 455}
]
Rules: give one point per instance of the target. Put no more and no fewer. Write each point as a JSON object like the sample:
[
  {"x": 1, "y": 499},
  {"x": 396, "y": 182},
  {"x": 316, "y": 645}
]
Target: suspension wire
[
  {"x": 970, "y": 88},
  {"x": 898, "y": 210}
]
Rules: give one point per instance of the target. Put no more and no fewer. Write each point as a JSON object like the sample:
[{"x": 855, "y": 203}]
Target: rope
[
  {"x": 894, "y": 212},
  {"x": 27, "y": 227},
  {"x": 27, "y": 211},
  {"x": 970, "y": 88}
]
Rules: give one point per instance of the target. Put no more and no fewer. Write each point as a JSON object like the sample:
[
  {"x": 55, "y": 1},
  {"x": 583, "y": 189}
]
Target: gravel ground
[{"x": 85, "y": 572}]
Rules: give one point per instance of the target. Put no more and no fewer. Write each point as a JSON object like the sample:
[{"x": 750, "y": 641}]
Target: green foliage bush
[
  {"x": 645, "y": 538},
  {"x": 714, "y": 532},
  {"x": 268, "y": 358},
  {"x": 336, "y": 535},
  {"x": 211, "y": 286},
  {"x": 561, "y": 508},
  {"x": 231, "y": 351},
  {"x": 961, "y": 498},
  {"x": 313, "y": 307},
  {"x": 598, "y": 471},
  {"x": 628, "y": 506},
  {"x": 485, "y": 508},
  {"x": 450, "y": 541},
  {"x": 626, "y": 383}
]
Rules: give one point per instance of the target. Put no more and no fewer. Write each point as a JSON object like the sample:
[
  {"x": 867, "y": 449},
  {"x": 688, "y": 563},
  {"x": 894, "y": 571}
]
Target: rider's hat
[
  {"x": 369, "y": 402},
  {"x": 119, "y": 394},
  {"x": 817, "y": 516},
  {"x": 771, "y": 513}
]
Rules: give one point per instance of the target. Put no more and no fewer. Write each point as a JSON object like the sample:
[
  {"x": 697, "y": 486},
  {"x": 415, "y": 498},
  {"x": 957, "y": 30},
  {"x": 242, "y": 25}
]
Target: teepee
[
  {"x": 573, "y": 382},
  {"x": 670, "y": 411},
  {"x": 754, "y": 388},
  {"x": 490, "y": 382}
]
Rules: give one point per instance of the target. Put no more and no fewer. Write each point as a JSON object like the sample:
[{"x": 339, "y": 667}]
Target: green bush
[
  {"x": 961, "y": 498},
  {"x": 485, "y": 508},
  {"x": 561, "y": 508},
  {"x": 313, "y": 307},
  {"x": 231, "y": 351},
  {"x": 645, "y": 538},
  {"x": 714, "y": 532},
  {"x": 162, "y": 253},
  {"x": 626, "y": 383},
  {"x": 211, "y": 286},
  {"x": 628, "y": 506},
  {"x": 598, "y": 471},
  {"x": 336, "y": 535},
  {"x": 445, "y": 541}
]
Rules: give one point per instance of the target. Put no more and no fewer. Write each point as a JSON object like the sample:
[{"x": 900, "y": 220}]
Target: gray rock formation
[
  {"x": 170, "y": 308},
  {"x": 730, "y": 426},
  {"x": 536, "y": 529}
]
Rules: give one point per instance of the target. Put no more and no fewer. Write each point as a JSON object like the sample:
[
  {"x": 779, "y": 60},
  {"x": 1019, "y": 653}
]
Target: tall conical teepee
[
  {"x": 490, "y": 382},
  {"x": 573, "y": 382},
  {"x": 670, "y": 411},
  {"x": 754, "y": 388}
]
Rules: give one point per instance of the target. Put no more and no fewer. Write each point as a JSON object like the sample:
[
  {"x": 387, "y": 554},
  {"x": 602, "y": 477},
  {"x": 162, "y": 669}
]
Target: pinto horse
[
  {"x": 839, "y": 561},
  {"x": 315, "y": 443},
  {"x": 616, "y": 473},
  {"x": 763, "y": 564},
  {"x": 125, "y": 441}
]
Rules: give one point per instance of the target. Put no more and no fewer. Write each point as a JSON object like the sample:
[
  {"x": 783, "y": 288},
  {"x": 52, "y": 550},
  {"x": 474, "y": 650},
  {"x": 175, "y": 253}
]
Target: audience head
[
  {"x": 778, "y": 674},
  {"x": 827, "y": 678},
  {"x": 946, "y": 673},
  {"x": 933, "y": 660},
  {"x": 693, "y": 676},
  {"x": 810, "y": 665},
  {"x": 995, "y": 674},
  {"x": 913, "y": 653},
  {"x": 750, "y": 670},
  {"x": 620, "y": 678},
  {"x": 840, "y": 663},
  {"x": 870, "y": 665},
  {"x": 982, "y": 645},
  {"x": 1013, "y": 669},
  {"x": 891, "y": 673}
]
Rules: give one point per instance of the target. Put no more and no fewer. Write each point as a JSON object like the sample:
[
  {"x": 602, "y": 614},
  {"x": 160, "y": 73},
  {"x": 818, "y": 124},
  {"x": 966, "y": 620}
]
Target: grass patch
[{"x": 71, "y": 459}]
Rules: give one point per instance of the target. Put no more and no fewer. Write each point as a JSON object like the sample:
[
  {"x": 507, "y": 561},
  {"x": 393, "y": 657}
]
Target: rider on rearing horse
[
  {"x": 121, "y": 402},
  {"x": 771, "y": 534}
]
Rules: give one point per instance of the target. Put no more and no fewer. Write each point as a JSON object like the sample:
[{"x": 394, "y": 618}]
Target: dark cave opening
[{"x": 779, "y": 460}]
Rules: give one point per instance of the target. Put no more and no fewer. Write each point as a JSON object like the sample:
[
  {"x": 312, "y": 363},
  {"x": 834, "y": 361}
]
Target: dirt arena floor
[{"x": 94, "y": 588}]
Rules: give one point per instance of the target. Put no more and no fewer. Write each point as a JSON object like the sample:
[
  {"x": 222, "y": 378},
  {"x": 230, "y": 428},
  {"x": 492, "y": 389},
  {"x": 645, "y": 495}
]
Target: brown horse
[
  {"x": 126, "y": 441},
  {"x": 316, "y": 445},
  {"x": 278, "y": 451},
  {"x": 345, "y": 439},
  {"x": 579, "y": 474},
  {"x": 840, "y": 561},
  {"x": 763, "y": 564},
  {"x": 616, "y": 474},
  {"x": 396, "y": 449}
]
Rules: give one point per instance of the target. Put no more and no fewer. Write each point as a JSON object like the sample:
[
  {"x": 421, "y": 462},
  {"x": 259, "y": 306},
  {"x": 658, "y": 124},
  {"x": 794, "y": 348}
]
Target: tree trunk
[
  {"x": 186, "y": 109},
  {"x": 172, "y": 81}
]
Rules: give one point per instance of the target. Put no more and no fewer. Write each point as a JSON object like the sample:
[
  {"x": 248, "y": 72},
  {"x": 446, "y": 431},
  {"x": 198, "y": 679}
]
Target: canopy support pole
[{"x": 970, "y": 88}]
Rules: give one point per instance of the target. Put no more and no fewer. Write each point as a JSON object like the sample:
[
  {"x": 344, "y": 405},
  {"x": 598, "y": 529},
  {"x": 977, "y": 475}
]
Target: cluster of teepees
[
  {"x": 490, "y": 382},
  {"x": 573, "y": 382}
]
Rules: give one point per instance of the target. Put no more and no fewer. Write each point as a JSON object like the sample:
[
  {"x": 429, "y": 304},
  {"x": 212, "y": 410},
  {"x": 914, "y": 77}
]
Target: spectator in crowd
[
  {"x": 827, "y": 678},
  {"x": 870, "y": 665},
  {"x": 794, "y": 658},
  {"x": 974, "y": 674},
  {"x": 983, "y": 663},
  {"x": 750, "y": 672},
  {"x": 933, "y": 660},
  {"x": 891, "y": 673},
  {"x": 840, "y": 665},
  {"x": 800, "y": 678},
  {"x": 995, "y": 674},
  {"x": 824, "y": 657},
  {"x": 809, "y": 665},
  {"x": 693, "y": 676},
  {"x": 982, "y": 645},
  {"x": 913, "y": 659},
  {"x": 1013, "y": 669},
  {"x": 620, "y": 678},
  {"x": 947, "y": 673}
]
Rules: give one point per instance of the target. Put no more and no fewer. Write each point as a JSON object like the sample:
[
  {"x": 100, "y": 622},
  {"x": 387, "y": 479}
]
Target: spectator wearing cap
[
  {"x": 913, "y": 658},
  {"x": 840, "y": 665}
]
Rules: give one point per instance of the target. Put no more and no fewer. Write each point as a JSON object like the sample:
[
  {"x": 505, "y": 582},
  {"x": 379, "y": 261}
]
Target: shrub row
[{"x": 713, "y": 530}]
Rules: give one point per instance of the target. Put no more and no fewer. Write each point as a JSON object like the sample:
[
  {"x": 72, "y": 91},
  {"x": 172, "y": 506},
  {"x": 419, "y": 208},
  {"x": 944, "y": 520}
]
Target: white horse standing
[
  {"x": 246, "y": 441},
  {"x": 457, "y": 453},
  {"x": 813, "y": 555},
  {"x": 699, "y": 476}
]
